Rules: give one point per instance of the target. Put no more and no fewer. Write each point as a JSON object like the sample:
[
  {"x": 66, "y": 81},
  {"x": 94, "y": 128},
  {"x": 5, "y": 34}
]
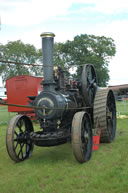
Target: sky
[{"x": 25, "y": 20}]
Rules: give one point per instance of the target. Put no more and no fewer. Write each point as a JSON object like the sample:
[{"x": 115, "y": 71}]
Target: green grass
[
  {"x": 4, "y": 115},
  {"x": 122, "y": 107},
  {"x": 55, "y": 170}
]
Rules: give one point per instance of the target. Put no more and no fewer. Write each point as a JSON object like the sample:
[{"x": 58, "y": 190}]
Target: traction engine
[{"x": 65, "y": 111}]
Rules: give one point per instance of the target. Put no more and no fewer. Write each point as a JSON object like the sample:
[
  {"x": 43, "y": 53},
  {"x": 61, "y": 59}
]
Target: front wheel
[
  {"x": 82, "y": 137},
  {"x": 18, "y": 143}
]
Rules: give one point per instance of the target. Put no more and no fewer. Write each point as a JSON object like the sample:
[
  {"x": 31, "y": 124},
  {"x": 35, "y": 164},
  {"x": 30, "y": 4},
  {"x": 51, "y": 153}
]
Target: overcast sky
[{"x": 27, "y": 19}]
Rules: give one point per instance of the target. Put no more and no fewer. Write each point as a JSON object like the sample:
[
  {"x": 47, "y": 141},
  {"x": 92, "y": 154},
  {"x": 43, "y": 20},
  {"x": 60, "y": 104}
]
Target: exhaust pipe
[{"x": 47, "y": 49}]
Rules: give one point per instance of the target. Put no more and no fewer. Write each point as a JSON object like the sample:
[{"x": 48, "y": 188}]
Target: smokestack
[{"x": 47, "y": 48}]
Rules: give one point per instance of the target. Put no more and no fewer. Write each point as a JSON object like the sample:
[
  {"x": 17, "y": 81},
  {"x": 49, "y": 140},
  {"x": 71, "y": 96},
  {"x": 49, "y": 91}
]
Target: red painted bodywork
[{"x": 18, "y": 90}]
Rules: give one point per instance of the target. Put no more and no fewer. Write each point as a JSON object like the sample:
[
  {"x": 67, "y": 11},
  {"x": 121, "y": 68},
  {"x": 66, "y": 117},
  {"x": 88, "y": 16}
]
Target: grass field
[
  {"x": 122, "y": 107},
  {"x": 55, "y": 170}
]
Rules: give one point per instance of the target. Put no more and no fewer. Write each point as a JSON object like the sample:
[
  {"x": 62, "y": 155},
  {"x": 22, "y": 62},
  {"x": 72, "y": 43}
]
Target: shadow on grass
[{"x": 54, "y": 154}]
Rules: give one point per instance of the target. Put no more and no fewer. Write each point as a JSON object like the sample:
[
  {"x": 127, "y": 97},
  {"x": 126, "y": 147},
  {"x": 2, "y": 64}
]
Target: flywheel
[
  {"x": 88, "y": 84},
  {"x": 105, "y": 112}
]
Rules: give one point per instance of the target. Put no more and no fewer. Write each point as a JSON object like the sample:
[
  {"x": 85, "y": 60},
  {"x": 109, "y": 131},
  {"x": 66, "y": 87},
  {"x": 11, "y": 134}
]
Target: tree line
[{"x": 83, "y": 49}]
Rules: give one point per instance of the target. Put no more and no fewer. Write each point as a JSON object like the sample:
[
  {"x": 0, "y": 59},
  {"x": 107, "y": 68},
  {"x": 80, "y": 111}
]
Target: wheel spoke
[
  {"x": 91, "y": 83},
  {"x": 20, "y": 151},
  {"x": 27, "y": 148},
  {"x": 28, "y": 143},
  {"x": 16, "y": 145},
  {"x": 19, "y": 125},
  {"x": 16, "y": 133}
]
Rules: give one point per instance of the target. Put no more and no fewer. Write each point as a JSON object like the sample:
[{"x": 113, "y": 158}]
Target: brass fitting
[{"x": 47, "y": 34}]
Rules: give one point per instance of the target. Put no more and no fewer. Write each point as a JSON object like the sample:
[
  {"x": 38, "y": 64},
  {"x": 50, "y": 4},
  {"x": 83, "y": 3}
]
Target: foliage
[
  {"x": 87, "y": 49},
  {"x": 84, "y": 49},
  {"x": 17, "y": 51}
]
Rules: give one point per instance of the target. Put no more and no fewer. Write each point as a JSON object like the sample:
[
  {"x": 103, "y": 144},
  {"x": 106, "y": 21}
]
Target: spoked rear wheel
[
  {"x": 82, "y": 137},
  {"x": 18, "y": 143}
]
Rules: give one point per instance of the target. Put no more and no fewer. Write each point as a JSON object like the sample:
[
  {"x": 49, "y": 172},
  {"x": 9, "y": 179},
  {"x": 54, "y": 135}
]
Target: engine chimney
[{"x": 47, "y": 49}]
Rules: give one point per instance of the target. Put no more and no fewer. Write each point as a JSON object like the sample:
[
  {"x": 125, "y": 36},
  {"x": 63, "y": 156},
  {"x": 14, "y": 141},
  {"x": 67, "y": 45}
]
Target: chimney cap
[{"x": 47, "y": 34}]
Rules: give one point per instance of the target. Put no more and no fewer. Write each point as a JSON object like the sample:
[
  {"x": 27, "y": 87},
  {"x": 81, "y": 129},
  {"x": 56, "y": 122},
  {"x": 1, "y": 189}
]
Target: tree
[
  {"x": 84, "y": 49},
  {"x": 17, "y": 51},
  {"x": 87, "y": 49}
]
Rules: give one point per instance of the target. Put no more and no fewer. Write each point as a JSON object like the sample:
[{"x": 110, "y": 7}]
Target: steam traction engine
[{"x": 65, "y": 112}]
